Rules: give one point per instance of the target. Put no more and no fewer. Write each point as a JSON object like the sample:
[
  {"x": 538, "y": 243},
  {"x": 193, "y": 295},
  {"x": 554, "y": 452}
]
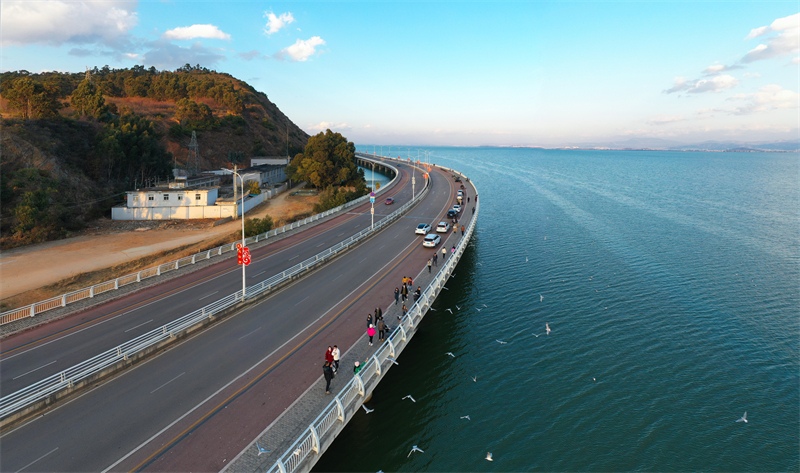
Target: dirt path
[{"x": 25, "y": 271}]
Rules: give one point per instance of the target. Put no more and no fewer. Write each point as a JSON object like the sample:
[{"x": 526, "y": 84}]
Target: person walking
[
  {"x": 356, "y": 367},
  {"x": 405, "y": 309},
  {"x": 436, "y": 258},
  {"x": 404, "y": 292},
  {"x": 444, "y": 254},
  {"x": 369, "y": 320},
  {"x": 370, "y": 333},
  {"x": 381, "y": 329},
  {"x": 396, "y": 295},
  {"x": 463, "y": 230},
  {"x": 453, "y": 249},
  {"x": 327, "y": 371},
  {"x": 378, "y": 314},
  {"x": 417, "y": 294},
  {"x": 336, "y": 354},
  {"x": 430, "y": 263}
]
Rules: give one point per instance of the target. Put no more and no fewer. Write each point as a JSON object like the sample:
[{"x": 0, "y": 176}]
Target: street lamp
[
  {"x": 372, "y": 209},
  {"x": 244, "y": 284}
]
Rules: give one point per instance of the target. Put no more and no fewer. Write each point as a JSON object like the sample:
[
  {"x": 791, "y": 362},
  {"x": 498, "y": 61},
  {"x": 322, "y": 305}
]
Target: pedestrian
[
  {"x": 396, "y": 295},
  {"x": 404, "y": 292},
  {"x": 467, "y": 199},
  {"x": 381, "y": 329},
  {"x": 430, "y": 263},
  {"x": 453, "y": 250},
  {"x": 405, "y": 309},
  {"x": 329, "y": 355},
  {"x": 380, "y": 314},
  {"x": 371, "y": 332},
  {"x": 417, "y": 294},
  {"x": 410, "y": 281},
  {"x": 462, "y": 230},
  {"x": 327, "y": 371},
  {"x": 336, "y": 354},
  {"x": 476, "y": 198},
  {"x": 356, "y": 367},
  {"x": 369, "y": 320},
  {"x": 444, "y": 254},
  {"x": 473, "y": 210}
]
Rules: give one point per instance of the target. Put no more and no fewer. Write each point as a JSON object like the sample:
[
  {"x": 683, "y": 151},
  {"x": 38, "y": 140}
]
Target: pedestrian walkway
[{"x": 279, "y": 436}]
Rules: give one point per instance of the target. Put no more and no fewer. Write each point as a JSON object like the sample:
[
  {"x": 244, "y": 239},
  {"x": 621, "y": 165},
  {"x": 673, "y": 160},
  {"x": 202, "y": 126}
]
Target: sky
[{"x": 465, "y": 73}]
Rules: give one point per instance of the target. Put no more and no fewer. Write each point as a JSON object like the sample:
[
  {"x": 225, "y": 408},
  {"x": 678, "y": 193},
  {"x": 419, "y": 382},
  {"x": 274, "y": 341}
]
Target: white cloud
[
  {"x": 714, "y": 84},
  {"x": 785, "y": 39},
  {"x": 276, "y": 23},
  {"x": 769, "y": 97},
  {"x": 61, "y": 21},
  {"x": 322, "y": 126},
  {"x": 665, "y": 119},
  {"x": 166, "y": 55},
  {"x": 301, "y": 50},
  {"x": 196, "y": 31}
]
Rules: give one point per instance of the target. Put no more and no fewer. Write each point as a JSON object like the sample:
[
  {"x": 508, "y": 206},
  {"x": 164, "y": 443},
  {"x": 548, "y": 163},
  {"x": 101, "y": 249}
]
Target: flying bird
[
  {"x": 367, "y": 409},
  {"x": 408, "y": 396},
  {"x": 489, "y": 456},
  {"x": 466, "y": 417},
  {"x": 450, "y": 354},
  {"x": 446, "y": 289},
  {"x": 431, "y": 308},
  {"x": 475, "y": 379},
  {"x": 392, "y": 360},
  {"x": 261, "y": 449},
  {"x": 547, "y": 328},
  {"x": 501, "y": 342},
  {"x": 485, "y": 305},
  {"x": 541, "y": 298},
  {"x": 457, "y": 307},
  {"x": 415, "y": 449},
  {"x": 478, "y": 309},
  {"x": 526, "y": 259},
  {"x": 449, "y": 310},
  {"x": 743, "y": 418}
]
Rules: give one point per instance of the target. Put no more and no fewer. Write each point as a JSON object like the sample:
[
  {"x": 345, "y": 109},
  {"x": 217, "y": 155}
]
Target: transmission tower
[{"x": 193, "y": 161}]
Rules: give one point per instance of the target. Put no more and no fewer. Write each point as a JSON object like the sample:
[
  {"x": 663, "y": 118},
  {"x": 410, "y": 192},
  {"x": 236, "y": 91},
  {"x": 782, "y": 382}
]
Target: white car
[
  {"x": 457, "y": 208},
  {"x": 423, "y": 229},
  {"x": 432, "y": 240},
  {"x": 443, "y": 227}
]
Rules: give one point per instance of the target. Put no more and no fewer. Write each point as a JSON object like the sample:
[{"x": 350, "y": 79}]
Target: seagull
[
  {"x": 526, "y": 259},
  {"x": 449, "y": 310},
  {"x": 367, "y": 409},
  {"x": 393, "y": 360},
  {"x": 489, "y": 456},
  {"x": 485, "y": 305},
  {"x": 466, "y": 417},
  {"x": 480, "y": 264},
  {"x": 450, "y": 353},
  {"x": 477, "y": 309},
  {"x": 261, "y": 449},
  {"x": 547, "y": 328},
  {"x": 457, "y": 307},
  {"x": 501, "y": 342},
  {"x": 415, "y": 449},
  {"x": 445, "y": 288},
  {"x": 408, "y": 396},
  {"x": 475, "y": 379},
  {"x": 541, "y": 298},
  {"x": 431, "y": 308},
  {"x": 744, "y": 418},
  {"x": 594, "y": 379}
]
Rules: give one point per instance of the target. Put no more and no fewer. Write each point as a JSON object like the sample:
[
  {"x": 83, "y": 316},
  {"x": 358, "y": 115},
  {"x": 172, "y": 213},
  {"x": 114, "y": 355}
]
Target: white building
[{"x": 167, "y": 203}]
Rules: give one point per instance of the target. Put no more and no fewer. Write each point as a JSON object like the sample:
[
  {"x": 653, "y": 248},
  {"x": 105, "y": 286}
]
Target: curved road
[{"x": 196, "y": 405}]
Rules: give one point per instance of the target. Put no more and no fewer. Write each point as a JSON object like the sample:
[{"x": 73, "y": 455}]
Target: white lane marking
[
  {"x": 209, "y": 295},
  {"x": 31, "y": 463},
  {"x": 381, "y": 247},
  {"x": 340, "y": 234},
  {"x": 259, "y": 274},
  {"x": 323, "y": 243},
  {"x": 133, "y": 328},
  {"x": 171, "y": 380},
  {"x": 259, "y": 328},
  {"x": 294, "y": 257},
  {"x": 301, "y": 300},
  {"x": 35, "y": 369}
]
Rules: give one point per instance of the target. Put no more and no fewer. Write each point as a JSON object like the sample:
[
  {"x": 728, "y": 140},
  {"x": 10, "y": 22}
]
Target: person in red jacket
[{"x": 370, "y": 333}]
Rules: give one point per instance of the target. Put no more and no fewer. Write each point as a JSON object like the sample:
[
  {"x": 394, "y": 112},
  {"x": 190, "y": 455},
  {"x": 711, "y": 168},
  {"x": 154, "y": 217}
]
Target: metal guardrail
[
  {"x": 92, "y": 291},
  {"x": 28, "y": 398},
  {"x": 349, "y": 399}
]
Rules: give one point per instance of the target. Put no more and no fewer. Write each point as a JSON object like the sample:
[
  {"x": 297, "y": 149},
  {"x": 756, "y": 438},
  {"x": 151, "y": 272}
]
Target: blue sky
[{"x": 537, "y": 73}]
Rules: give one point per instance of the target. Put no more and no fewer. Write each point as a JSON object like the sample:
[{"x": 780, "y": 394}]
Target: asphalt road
[{"x": 199, "y": 403}]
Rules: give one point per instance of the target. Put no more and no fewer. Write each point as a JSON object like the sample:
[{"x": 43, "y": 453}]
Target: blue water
[{"x": 671, "y": 282}]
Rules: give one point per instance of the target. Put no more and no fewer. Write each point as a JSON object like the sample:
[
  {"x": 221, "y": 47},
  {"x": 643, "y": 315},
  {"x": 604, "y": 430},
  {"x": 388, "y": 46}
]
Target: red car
[{"x": 389, "y": 201}]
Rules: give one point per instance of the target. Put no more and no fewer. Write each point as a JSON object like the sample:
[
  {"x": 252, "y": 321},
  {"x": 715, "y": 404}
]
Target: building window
[
  {"x": 180, "y": 197},
  {"x": 150, "y": 197},
  {"x": 197, "y": 197},
  {"x": 166, "y": 196}
]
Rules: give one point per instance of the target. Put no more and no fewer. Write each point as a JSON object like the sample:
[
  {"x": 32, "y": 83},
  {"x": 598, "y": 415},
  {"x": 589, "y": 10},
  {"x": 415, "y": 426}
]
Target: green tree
[
  {"x": 193, "y": 115},
  {"x": 256, "y": 226},
  {"x": 32, "y": 99},
  {"x": 328, "y": 160},
  {"x": 252, "y": 188},
  {"x": 88, "y": 100}
]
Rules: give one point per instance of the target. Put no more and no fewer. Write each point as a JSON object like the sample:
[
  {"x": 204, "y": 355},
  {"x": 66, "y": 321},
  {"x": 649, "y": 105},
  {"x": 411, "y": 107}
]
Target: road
[{"x": 200, "y": 402}]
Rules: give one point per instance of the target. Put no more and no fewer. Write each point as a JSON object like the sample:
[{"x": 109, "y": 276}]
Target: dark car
[
  {"x": 452, "y": 213},
  {"x": 389, "y": 201}
]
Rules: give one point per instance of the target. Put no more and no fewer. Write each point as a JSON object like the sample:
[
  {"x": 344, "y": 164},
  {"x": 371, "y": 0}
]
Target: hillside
[{"x": 72, "y": 143}]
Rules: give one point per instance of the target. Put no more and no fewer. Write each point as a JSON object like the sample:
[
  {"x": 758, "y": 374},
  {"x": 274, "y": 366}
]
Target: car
[
  {"x": 389, "y": 201},
  {"x": 443, "y": 227},
  {"x": 457, "y": 208},
  {"x": 423, "y": 229},
  {"x": 452, "y": 213},
  {"x": 431, "y": 240},
  {"x": 460, "y": 193}
]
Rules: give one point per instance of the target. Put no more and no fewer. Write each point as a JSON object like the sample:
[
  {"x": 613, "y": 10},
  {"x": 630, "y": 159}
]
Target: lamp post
[
  {"x": 372, "y": 209},
  {"x": 244, "y": 283}
]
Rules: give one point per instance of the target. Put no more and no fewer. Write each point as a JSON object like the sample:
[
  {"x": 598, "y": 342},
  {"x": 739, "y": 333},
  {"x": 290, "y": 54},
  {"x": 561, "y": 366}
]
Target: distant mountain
[{"x": 672, "y": 145}]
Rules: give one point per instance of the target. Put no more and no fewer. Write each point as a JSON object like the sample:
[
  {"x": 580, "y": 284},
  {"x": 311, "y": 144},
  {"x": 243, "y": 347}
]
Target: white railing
[
  {"x": 346, "y": 403},
  {"x": 92, "y": 291},
  {"x": 28, "y": 399}
]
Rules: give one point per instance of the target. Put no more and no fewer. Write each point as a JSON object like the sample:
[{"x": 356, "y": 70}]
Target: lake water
[{"x": 671, "y": 282}]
